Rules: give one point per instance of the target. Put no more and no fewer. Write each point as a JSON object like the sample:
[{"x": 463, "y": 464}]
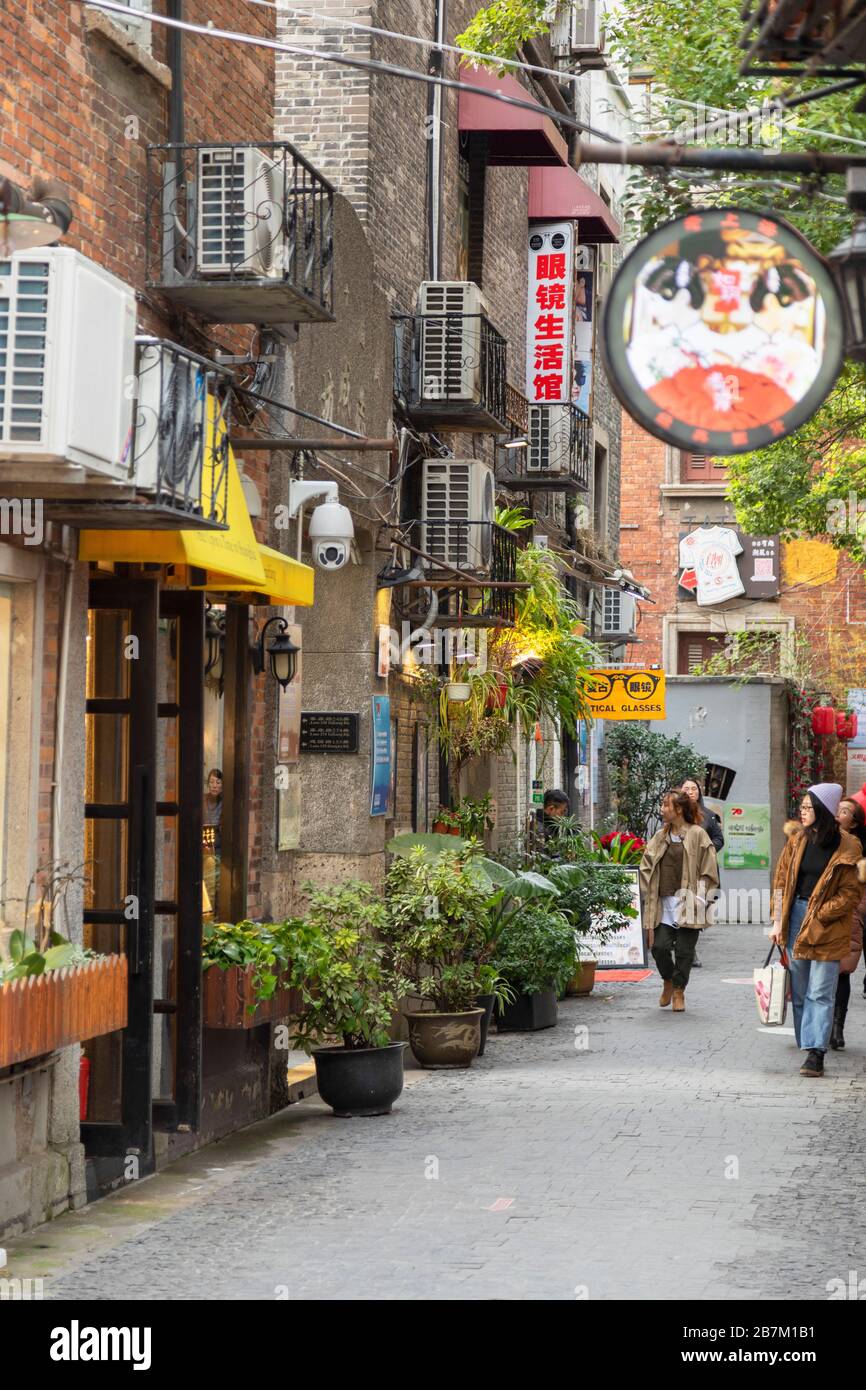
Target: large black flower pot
[
  {"x": 528, "y": 1013},
  {"x": 360, "y": 1081},
  {"x": 485, "y": 1002}
]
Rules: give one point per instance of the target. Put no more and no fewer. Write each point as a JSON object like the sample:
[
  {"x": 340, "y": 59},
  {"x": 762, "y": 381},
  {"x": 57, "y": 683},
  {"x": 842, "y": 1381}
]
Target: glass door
[{"x": 119, "y": 853}]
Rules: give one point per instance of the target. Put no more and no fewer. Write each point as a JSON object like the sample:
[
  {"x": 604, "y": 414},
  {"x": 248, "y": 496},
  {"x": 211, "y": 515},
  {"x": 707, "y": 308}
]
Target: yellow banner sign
[{"x": 626, "y": 692}]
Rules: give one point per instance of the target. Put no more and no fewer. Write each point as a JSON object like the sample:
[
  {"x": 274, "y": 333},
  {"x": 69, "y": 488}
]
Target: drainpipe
[
  {"x": 175, "y": 64},
  {"x": 435, "y": 66}
]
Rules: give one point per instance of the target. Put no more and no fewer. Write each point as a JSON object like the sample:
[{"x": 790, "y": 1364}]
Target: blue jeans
[{"x": 813, "y": 989}]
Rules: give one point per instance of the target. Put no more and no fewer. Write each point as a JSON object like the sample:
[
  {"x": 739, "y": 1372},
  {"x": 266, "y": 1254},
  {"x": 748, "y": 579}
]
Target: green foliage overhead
[
  {"x": 643, "y": 765},
  {"x": 499, "y": 29}
]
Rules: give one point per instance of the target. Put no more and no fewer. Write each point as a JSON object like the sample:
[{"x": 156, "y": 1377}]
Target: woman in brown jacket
[
  {"x": 851, "y": 817},
  {"x": 678, "y": 874},
  {"x": 816, "y": 890}
]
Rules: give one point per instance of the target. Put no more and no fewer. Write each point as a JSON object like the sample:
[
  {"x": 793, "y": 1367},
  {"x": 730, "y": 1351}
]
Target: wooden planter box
[
  {"x": 42, "y": 1013},
  {"x": 228, "y": 996}
]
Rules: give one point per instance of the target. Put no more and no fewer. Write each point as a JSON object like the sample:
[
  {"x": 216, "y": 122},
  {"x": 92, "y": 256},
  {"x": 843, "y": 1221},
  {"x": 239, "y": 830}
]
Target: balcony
[
  {"x": 240, "y": 233},
  {"x": 470, "y": 569},
  {"x": 559, "y": 454},
  {"x": 795, "y": 37},
  {"x": 177, "y": 450},
  {"x": 449, "y": 372}
]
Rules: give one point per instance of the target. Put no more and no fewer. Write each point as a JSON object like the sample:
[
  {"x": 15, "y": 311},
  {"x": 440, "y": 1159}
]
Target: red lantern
[
  {"x": 823, "y": 720},
  {"x": 846, "y": 725}
]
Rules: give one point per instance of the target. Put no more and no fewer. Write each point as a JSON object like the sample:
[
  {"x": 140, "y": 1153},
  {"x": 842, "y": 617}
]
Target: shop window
[{"x": 699, "y": 468}]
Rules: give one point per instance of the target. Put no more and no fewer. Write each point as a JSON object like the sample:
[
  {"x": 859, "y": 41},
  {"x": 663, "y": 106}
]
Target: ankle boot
[
  {"x": 679, "y": 1004},
  {"x": 667, "y": 993},
  {"x": 837, "y": 1036}
]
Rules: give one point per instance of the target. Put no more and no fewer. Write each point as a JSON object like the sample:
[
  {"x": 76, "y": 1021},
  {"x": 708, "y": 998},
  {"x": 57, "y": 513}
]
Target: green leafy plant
[
  {"x": 447, "y": 817},
  {"x": 514, "y": 519},
  {"x": 439, "y": 926},
  {"x": 643, "y": 765},
  {"x": 343, "y": 971},
  {"x": 266, "y": 947},
  {"x": 474, "y": 817},
  {"x": 594, "y": 897},
  {"x": 25, "y": 957},
  {"x": 536, "y": 949},
  {"x": 499, "y": 29}
]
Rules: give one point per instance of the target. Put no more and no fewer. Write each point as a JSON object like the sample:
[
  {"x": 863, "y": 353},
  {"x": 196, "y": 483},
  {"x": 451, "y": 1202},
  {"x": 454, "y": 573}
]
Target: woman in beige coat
[{"x": 678, "y": 873}]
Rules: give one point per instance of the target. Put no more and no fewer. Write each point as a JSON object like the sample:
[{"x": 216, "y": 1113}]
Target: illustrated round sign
[{"x": 723, "y": 331}]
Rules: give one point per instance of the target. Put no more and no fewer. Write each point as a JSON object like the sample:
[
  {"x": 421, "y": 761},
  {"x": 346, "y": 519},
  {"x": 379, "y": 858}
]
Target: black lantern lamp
[
  {"x": 282, "y": 653},
  {"x": 848, "y": 264},
  {"x": 215, "y": 640}
]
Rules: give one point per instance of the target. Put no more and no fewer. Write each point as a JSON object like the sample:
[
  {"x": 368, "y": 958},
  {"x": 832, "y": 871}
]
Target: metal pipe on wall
[{"x": 434, "y": 153}]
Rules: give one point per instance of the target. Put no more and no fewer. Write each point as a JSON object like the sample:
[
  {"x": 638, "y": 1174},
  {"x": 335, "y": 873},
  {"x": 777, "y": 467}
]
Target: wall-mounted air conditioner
[
  {"x": 450, "y": 365},
  {"x": 587, "y": 33},
  {"x": 172, "y": 430},
  {"x": 458, "y": 508},
  {"x": 618, "y": 613},
  {"x": 67, "y": 367},
  {"x": 240, "y": 213},
  {"x": 549, "y": 435}
]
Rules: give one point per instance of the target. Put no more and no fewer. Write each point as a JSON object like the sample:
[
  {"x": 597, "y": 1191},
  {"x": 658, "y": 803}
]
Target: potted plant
[
  {"x": 54, "y": 992},
  {"x": 245, "y": 968},
  {"x": 536, "y": 954},
  {"x": 439, "y": 930},
  {"x": 446, "y": 821},
  {"x": 475, "y": 817},
  {"x": 348, "y": 998},
  {"x": 596, "y": 897}
]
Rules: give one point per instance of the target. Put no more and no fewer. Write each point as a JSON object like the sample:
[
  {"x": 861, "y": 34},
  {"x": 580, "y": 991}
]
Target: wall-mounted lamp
[
  {"x": 282, "y": 653},
  {"x": 520, "y": 443},
  {"x": 215, "y": 645}
]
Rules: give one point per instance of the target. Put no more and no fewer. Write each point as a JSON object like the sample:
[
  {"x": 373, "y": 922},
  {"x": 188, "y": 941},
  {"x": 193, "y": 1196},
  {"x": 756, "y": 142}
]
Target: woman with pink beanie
[{"x": 816, "y": 890}]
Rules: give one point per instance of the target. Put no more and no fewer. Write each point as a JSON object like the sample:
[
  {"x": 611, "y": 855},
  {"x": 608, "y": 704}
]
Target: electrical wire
[{"x": 209, "y": 31}]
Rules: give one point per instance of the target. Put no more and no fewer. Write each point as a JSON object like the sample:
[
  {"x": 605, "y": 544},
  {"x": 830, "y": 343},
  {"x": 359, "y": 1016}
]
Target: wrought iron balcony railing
[
  {"x": 558, "y": 456},
  {"x": 472, "y": 566},
  {"x": 783, "y": 36},
  {"x": 450, "y": 371},
  {"x": 240, "y": 233}
]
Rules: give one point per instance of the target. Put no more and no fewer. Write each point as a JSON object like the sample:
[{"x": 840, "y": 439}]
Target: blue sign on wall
[{"x": 381, "y": 760}]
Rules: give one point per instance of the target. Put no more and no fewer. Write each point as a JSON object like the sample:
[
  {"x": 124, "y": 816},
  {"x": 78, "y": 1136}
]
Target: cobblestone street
[{"x": 564, "y": 1171}]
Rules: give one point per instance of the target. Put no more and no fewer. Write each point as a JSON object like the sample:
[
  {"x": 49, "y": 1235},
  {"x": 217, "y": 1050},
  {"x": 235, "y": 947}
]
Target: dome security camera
[{"x": 331, "y": 533}]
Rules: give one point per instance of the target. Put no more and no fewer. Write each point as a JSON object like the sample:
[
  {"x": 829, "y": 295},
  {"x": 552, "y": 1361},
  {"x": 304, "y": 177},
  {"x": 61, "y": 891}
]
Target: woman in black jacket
[{"x": 706, "y": 818}]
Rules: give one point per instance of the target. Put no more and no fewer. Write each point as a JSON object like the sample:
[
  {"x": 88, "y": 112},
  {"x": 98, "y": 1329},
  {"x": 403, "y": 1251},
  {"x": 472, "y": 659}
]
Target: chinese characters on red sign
[{"x": 548, "y": 312}]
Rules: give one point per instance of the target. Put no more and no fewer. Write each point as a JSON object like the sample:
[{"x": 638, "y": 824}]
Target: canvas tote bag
[{"x": 771, "y": 988}]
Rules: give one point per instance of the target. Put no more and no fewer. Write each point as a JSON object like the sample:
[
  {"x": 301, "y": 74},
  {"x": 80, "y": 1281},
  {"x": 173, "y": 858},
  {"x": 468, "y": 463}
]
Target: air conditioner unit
[
  {"x": 549, "y": 434},
  {"x": 587, "y": 34},
  {"x": 241, "y": 201},
  {"x": 171, "y": 422},
  {"x": 64, "y": 379},
  {"x": 458, "y": 508},
  {"x": 450, "y": 364},
  {"x": 618, "y": 613}
]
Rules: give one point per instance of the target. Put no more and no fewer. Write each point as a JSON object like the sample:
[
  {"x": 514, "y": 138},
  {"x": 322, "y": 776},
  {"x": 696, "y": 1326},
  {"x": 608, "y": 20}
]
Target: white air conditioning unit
[
  {"x": 171, "y": 422},
  {"x": 587, "y": 33},
  {"x": 67, "y": 366},
  {"x": 458, "y": 508},
  {"x": 618, "y": 613},
  {"x": 240, "y": 205},
  {"x": 549, "y": 435},
  {"x": 450, "y": 365}
]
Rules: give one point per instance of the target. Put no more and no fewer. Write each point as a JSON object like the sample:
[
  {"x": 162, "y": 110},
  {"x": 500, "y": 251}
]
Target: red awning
[
  {"x": 514, "y": 135},
  {"x": 559, "y": 194}
]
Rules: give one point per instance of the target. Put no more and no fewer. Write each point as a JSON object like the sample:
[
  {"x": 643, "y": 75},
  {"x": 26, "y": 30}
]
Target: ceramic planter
[
  {"x": 360, "y": 1081},
  {"x": 42, "y": 1013},
  {"x": 485, "y": 1002},
  {"x": 440, "y": 828},
  {"x": 583, "y": 980},
  {"x": 459, "y": 691},
  {"x": 444, "y": 1041},
  {"x": 529, "y": 1013}
]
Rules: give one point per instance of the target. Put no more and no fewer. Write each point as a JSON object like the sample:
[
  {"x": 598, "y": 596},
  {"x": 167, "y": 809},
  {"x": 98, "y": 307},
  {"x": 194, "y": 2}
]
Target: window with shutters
[
  {"x": 699, "y": 468},
  {"x": 696, "y": 648}
]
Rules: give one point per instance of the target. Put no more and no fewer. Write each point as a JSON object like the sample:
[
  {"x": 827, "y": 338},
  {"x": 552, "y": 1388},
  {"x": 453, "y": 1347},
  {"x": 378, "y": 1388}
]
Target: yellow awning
[
  {"x": 286, "y": 581},
  {"x": 234, "y": 553}
]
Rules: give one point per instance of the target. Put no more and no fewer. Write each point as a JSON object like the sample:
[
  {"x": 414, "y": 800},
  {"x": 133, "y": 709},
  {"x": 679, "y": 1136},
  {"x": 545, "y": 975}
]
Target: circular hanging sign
[{"x": 723, "y": 331}]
